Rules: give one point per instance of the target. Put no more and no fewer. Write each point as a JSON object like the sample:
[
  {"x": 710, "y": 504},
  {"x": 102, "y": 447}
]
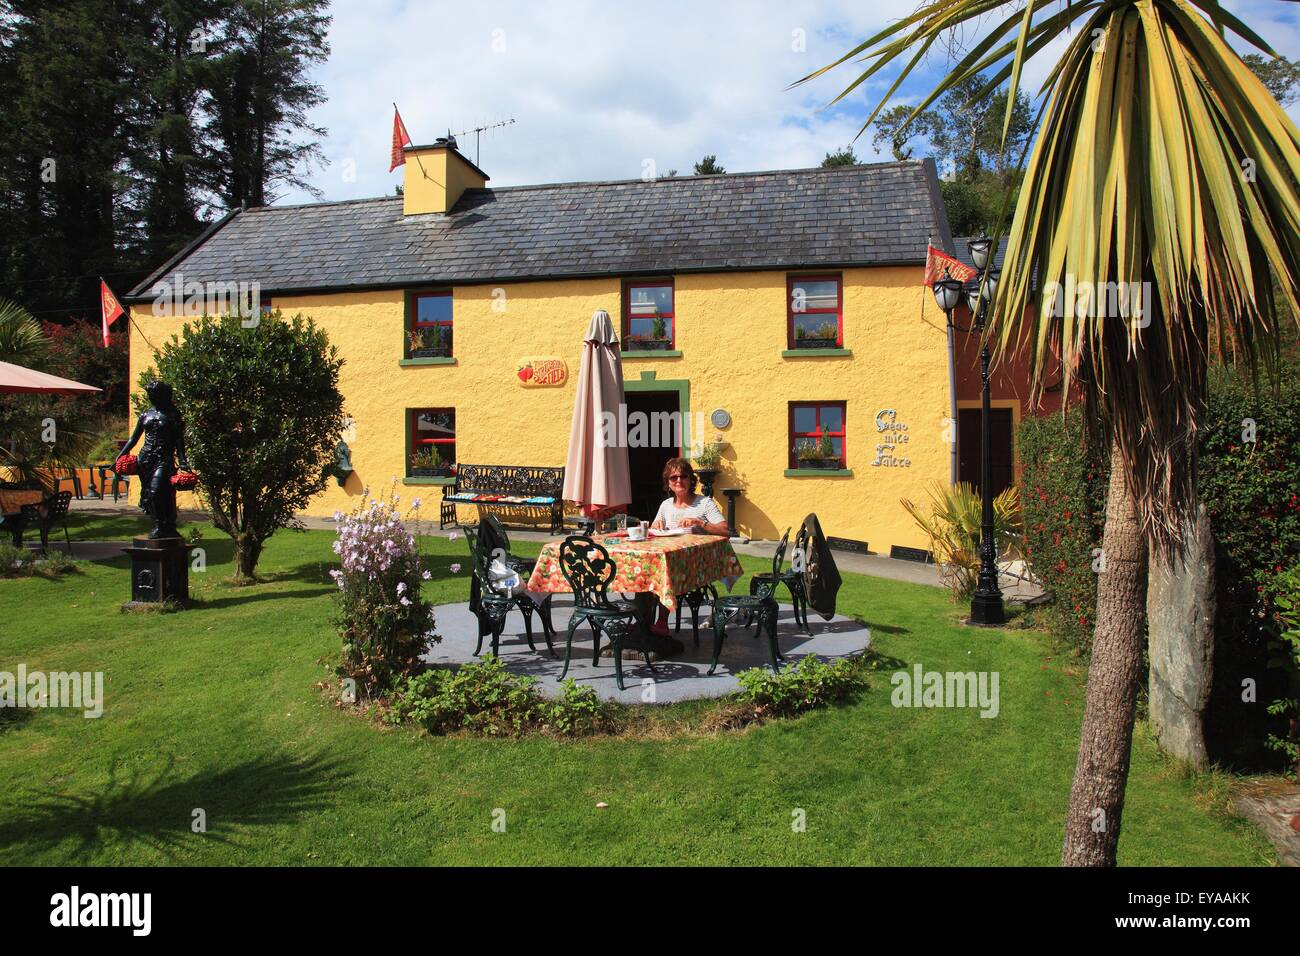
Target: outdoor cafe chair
[
  {"x": 589, "y": 570},
  {"x": 494, "y": 537},
  {"x": 693, "y": 599},
  {"x": 43, "y": 516},
  {"x": 792, "y": 579},
  {"x": 761, "y": 604},
  {"x": 490, "y": 598}
]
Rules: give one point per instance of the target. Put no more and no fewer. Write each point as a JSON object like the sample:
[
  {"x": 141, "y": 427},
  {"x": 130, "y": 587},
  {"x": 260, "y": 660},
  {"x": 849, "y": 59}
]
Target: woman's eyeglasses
[{"x": 672, "y": 478}]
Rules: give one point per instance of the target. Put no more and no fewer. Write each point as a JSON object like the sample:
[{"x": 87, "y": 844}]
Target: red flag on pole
[
  {"x": 400, "y": 139},
  {"x": 110, "y": 308},
  {"x": 936, "y": 261}
]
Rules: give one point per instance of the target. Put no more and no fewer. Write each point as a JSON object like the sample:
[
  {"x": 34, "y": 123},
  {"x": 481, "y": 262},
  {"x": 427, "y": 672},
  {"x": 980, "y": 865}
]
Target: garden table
[{"x": 667, "y": 567}]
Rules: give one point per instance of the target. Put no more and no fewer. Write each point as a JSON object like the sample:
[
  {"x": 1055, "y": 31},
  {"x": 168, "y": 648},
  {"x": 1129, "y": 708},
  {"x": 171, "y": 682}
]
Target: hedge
[
  {"x": 1063, "y": 500},
  {"x": 1250, "y": 483}
]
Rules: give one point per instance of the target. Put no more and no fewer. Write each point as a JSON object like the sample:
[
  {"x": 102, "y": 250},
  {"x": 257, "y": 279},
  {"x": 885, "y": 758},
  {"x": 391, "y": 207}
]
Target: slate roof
[{"x": 878, "y": 214}]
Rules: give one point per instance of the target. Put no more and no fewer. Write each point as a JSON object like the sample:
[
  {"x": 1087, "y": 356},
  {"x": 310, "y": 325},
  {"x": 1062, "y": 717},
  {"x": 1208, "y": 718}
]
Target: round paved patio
[{"x": 683, "y": 678}]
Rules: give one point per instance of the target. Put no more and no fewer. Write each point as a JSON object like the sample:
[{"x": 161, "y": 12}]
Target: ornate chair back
[
  {"x": 767, "y": 586},
  {"x": 494, "y": 535},
  {"x": 799, "y": 560},
  {"x": 589, "y": 570}
]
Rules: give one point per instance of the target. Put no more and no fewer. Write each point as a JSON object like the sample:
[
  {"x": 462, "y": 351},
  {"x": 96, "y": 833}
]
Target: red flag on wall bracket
[
  {"x": 401, "y": 139},
  {"x": 110, "y": 308},
  {"x": 936, "y": 261}
]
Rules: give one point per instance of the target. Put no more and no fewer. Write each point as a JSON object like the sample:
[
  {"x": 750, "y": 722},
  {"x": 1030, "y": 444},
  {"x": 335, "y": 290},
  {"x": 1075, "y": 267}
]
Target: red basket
[
  {"x": 185, "y": 480},
  {"x": 126, "y": 465}
]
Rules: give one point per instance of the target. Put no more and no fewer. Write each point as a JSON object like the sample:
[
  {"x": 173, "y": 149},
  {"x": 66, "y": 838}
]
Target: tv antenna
[{"x": 478, "y": 132}]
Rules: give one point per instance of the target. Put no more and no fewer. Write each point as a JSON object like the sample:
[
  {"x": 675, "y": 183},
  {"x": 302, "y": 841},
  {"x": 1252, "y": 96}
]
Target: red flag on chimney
[
  {"x": 110, "y": 308},
  {"x": 937, "y": 262},
  {"x": 400, "y": 139}
]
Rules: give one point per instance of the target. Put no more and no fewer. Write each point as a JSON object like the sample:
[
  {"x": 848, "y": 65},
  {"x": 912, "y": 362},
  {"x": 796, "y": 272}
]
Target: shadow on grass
[
  {"x": 11, "y": 718},
  {"x": 158, "y": 812},
  {"x": 253, "y": 594}
]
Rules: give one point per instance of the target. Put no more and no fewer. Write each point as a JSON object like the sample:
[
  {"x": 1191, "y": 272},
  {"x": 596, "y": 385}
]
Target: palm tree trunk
[{"x": 1097, "y": 797}]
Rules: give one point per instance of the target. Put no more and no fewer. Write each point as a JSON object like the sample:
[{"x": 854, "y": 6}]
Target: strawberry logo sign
[{"x": 543, "y": 373}]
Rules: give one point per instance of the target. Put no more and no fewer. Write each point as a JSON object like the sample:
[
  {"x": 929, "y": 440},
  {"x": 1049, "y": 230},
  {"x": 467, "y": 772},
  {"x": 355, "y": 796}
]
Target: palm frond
[
  {"x": 1161, "y": 163},
  {"x": 22, "y": 342}
]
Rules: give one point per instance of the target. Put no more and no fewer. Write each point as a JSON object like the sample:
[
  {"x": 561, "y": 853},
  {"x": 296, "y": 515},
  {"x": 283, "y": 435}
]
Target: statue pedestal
[{"x": 160, "y": 571}]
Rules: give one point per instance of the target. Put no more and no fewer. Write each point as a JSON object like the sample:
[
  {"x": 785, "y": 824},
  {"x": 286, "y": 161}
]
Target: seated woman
[{"x": 684, "y": 509}]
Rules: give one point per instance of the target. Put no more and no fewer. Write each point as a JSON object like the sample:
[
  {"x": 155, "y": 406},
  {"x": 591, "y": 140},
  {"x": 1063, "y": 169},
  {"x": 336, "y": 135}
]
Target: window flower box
[
  {"x": 440, "y": 472},
  {"x": 649, "y": 345},
  {"x": 820, "y": 464}
]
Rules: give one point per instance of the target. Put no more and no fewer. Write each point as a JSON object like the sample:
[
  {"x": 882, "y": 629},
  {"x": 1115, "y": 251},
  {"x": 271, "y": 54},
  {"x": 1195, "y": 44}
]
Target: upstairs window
[
  {"x": 428, "y": 327},
  {"x": 648, "y": 316},
  {"x": 816, "y": 318}
]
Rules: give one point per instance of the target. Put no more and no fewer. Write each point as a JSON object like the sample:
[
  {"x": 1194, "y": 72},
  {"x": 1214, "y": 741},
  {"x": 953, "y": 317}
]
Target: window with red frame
[
  {"x": 815, "y": 309},
  {"x": 429, "y": 334},
  {"x": 807, "y": 421},
  {"x": 431, "y": 442},
  {"x": 648, "y": 316}
]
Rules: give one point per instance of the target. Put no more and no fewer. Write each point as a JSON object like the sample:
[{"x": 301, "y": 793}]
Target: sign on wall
[
  {"x": 543, "y": 372},
  {"x": 891, "y": 435}
]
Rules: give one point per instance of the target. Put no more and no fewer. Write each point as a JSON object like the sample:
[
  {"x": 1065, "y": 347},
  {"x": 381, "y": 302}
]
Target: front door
[
  {"x": 650, "y": 447},
  {"x": 968, "y": 448}
]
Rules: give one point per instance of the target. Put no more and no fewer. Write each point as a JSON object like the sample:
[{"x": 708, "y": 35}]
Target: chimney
[{"x": 436, "y": 175}]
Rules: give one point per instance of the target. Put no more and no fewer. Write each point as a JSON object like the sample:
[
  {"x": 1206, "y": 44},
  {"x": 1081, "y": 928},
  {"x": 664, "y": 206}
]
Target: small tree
[
  {"x": 708, "y": 166},
  {"x": 841, "y": 157},
  {"x": 262, "y": 412}
]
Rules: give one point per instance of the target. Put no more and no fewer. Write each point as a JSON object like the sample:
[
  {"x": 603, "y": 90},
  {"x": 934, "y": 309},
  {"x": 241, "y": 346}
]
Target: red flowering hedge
[{"x": 1063, "y": 500}]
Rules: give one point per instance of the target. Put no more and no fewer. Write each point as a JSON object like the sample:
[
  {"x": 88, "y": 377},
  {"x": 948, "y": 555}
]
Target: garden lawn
[{"x": 216, "y": 710}]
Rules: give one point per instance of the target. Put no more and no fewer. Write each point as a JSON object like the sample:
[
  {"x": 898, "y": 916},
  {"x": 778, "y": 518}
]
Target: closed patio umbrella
[
  {"x": 16, "y": 379},
  {"x": 596, "y": 474}
]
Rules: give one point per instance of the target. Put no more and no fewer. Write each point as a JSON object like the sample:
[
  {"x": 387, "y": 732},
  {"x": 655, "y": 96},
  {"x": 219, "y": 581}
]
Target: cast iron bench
[{"x": 505, "y": 487}]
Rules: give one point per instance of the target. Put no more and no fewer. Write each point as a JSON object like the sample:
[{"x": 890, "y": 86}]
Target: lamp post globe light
[{"x": 986, "y": 607}]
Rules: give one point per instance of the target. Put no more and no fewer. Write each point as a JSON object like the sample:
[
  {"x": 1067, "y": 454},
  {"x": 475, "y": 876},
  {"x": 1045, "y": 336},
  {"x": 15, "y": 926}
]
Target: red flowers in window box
[
  {"x": 184, "y": 480},
  {"x": 126, "y": 465}
]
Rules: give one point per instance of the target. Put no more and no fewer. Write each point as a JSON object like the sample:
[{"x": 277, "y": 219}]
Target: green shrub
[
  {"x": 21, "y": 563},
  {"x": 807, "y": 685},
  {"x": 485, "y": 698},
  {"x": 1286, "y": 657},
  {"x": 1252, "y": 492},
  {"x": 1062, "y": 500}
]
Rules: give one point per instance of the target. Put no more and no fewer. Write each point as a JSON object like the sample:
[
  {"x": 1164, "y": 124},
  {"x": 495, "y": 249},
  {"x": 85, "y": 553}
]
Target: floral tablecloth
[{"x": 665, "y": 567}]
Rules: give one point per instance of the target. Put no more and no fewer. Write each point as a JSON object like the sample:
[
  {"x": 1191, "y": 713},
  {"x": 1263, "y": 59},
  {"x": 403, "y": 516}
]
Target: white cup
[{"x": 636, "y": 532}]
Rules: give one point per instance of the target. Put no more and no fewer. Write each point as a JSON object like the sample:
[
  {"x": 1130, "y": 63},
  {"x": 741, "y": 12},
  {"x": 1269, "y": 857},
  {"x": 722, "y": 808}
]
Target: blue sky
[{"x": 600, "y": 89}]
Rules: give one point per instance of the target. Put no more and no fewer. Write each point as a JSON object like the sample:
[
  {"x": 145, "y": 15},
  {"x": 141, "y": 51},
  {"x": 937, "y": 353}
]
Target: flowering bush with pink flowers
[{"x": 384, "y": 624}]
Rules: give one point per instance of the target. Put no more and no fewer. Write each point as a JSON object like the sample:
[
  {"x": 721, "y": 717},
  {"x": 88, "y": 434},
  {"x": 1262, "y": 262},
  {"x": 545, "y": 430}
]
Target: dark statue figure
[{"x": 164, "y": 442}]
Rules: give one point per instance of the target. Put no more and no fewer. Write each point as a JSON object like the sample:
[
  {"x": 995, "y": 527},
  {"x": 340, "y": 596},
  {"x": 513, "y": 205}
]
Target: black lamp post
[{"x": 986, "y": 606}]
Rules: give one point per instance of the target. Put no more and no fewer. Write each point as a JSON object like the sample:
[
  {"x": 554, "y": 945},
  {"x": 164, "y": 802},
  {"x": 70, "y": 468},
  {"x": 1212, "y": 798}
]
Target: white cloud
[{"x": 597, "y": 88}]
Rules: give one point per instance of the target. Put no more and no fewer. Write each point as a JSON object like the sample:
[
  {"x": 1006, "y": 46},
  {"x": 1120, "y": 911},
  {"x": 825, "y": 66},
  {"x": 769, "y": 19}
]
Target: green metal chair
[
  {"x": 792, "y": 579},
  {"x": 693, "y": 599},
  {"x": 498, "y": 543},
  {"x": 589, "y": 570},
  {"x": 761, "y": 604},
  {"x": 490, "y": 603}
]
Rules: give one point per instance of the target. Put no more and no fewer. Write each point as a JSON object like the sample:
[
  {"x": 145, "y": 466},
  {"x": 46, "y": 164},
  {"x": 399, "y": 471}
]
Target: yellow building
[{"x": 767, "y": 309}]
